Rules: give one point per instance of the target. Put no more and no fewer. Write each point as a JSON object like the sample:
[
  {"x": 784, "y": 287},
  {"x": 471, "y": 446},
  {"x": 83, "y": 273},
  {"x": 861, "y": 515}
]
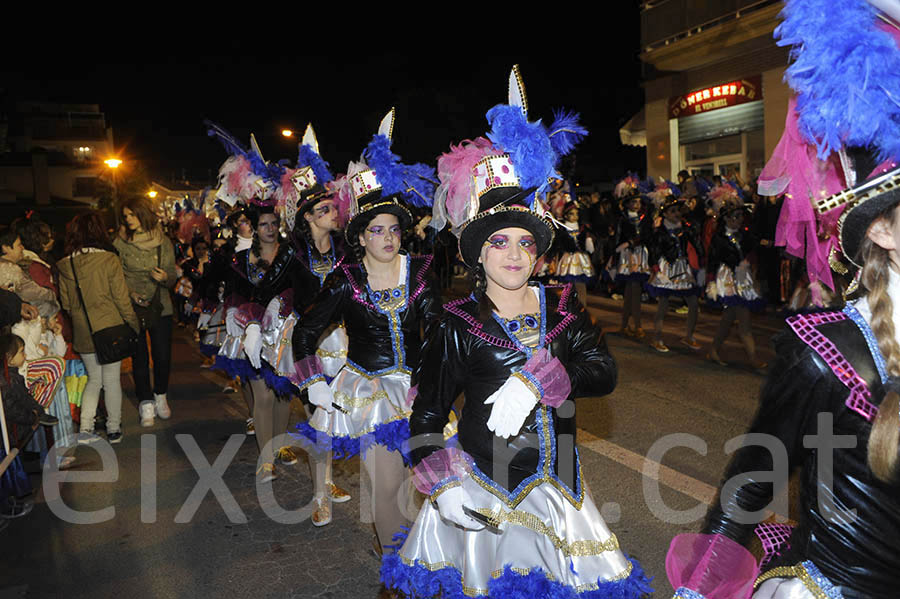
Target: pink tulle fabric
[
  {"x": 249, "y": 312},
  {"x": 457, "y": 186},
  {"x": 723, "y": 194},
  {"x": 411, "y": 396},
  {"x": 551, "y": 375},
  {"x": 713, "y": 565},
  {"x": 796, "y": 171},
  {"x": 307, "y": 368},
  {"x": 773, "y": 537},
  {"x": 439, "y": 466}
]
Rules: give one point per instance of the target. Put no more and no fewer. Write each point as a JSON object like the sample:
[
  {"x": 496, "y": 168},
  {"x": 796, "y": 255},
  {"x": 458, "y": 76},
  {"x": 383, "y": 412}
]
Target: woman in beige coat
[
  {"x": 148, "y": 259},
  {"x": 107, "y": 304}
]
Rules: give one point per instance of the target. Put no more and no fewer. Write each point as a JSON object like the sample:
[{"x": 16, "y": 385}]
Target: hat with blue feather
[
  {"x": 379, "y": 183},
  {"x": 311, "y": 174},
  {"x": 245, "y": 176},
  {"x": 490, "y": 183}
]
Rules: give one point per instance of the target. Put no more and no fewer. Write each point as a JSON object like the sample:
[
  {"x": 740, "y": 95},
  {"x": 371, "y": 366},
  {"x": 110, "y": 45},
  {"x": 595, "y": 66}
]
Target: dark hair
[
  {"x": 143, "y": 210},
  {"x": 486, "y": 306},
  {"x": 301, "y": 226},
  {"x": 87, "y": 230},
  {"x": 8, "y": 236},
  {"x": 10, "y": 343},
  {"x": 197, "y": 241},
  {"x": 353, "y": 247},
  {"x": 33, "y": 232},
  {"x": 255, "y": 247}
]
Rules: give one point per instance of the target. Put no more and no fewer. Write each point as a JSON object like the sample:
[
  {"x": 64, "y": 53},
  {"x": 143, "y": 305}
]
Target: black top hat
[{"x": 864, "y": 203}]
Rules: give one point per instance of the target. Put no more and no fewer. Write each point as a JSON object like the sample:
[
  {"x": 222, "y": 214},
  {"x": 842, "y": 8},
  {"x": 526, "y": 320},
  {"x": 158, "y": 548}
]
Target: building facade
[
  {"x": 53, "y": 153},
  {"x": 716, "y": 101}
]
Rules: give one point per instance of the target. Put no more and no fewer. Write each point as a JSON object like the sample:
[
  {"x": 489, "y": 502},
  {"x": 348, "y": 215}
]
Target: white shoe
[
  {"x": 162, "y": 407},
  {"x": 148, "y": 412}
]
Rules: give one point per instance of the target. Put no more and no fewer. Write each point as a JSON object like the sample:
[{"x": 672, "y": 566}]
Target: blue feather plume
[
  {"x": 846, "y": 74},
  {"x": 414, "y": 183},
  {"x": 231, "y": 143},
  {"x": 565, "y": 132},
  {"x": 307, "y": 156},
  {"x": 527, "y": 144}
]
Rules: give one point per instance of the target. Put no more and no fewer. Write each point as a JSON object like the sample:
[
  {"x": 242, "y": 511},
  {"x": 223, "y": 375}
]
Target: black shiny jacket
[
  {"x": 723, "y": 251},
  {"x": 672, "y": 246},
  {"x": 378, "y": 342},
  {"x": 863, "y": 554},
  {"x": 282, "y": 274},
  {"x": 465, "y": 355},
  {"x": 634, "y": 234},
  {"x": 309, "y": 281}
]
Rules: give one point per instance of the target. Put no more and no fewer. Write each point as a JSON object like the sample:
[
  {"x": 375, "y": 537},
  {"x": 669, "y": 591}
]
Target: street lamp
[
  {"x": 151, "y": 194},
  {"x": 113, "y": 164},
  {"x": 287, "y": 132}
]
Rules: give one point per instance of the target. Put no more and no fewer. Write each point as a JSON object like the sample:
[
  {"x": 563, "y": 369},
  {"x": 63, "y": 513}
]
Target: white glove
[
  {"x": 203, "y": 320},
  {"x": 253, "y": 343},
  {"x": 231, "y": 326},
  {"x": 320, "y": 395},
  {"x": 513, "y": 402},
  {"x": 450, "y": 506}
]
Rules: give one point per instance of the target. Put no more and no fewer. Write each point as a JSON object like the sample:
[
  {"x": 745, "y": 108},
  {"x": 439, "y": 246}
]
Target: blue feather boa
[
  {"x": 846, "y": 74},
  {"x": 392, "y": 435},
  {"x": 418, "y": 581},
  {"x": 233, "y": 368},
  {"x": 309, "y": 157}
]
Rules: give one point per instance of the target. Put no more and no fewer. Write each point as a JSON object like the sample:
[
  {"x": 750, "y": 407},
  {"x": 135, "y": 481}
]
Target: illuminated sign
[{"x": 716, "y": 97}]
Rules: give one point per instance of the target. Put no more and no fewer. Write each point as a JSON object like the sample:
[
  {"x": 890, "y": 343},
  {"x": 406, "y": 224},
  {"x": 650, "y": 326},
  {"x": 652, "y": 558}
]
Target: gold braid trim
[
  {"x": 530, "y": 521},
  {"x": 445, "y": 487},
  {"x": 331, "y": 354},
  {"x": 797, "y": 571}
]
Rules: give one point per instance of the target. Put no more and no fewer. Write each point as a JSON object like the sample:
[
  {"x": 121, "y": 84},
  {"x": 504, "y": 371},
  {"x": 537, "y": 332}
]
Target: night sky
[{"x": 155, "y": 95}]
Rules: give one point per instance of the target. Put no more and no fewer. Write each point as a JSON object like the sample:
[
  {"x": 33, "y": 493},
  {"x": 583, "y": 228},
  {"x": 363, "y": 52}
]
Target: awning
[{"x": 634, "y": 132}]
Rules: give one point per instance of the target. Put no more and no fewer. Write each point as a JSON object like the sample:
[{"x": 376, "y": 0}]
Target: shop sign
[{"x": 716, "y": 97}]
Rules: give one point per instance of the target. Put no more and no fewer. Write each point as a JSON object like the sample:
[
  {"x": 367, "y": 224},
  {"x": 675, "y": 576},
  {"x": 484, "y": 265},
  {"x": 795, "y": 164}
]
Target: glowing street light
[
  {"x": 112, "y": 162},
  {"x": 151, "y": 194},
  {"x": 287, "y": 132}
]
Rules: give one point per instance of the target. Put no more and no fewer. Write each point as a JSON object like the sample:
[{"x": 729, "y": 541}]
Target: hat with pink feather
[{"x": 490, "y": 183}]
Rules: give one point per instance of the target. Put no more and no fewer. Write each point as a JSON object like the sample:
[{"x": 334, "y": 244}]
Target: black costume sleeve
[
  {"x": 18, "y": 403},
  {"x": 439, "y": 377},
  {"x": 787, "y": 411},
  {"x": 325, "y": 310},
  {"x": 592, "y": 369}
]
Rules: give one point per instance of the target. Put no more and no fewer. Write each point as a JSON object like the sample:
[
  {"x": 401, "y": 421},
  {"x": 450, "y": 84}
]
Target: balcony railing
[{"x": 667, "y": 21}]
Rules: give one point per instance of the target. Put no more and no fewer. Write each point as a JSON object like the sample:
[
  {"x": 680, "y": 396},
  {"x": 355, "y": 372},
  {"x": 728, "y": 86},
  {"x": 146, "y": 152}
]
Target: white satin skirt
[
  {"x": 569, "y": 545},
  {"x": 733, "y": 286},
  {"x": 633, "y": 263},
  {"x": 574, "y": 264},
  {"x": 369, "y": 402},
  {"x": 332, "y": 350},
  {"x": 676, "y": 277}
]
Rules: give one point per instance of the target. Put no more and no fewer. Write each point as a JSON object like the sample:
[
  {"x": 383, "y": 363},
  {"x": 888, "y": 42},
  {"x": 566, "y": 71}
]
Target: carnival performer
[
  {"x": 509, "y": 513},
  {"x": 259, "y": 290},
  {"x": 633, "y": 233},
  {"x": 316, "y": 234},
  {"x": 833, "y": 387},
  {"x": 384, "y": 301},
  {"x": 673, "y": 275},
  {"x": 731, "y": 282},
  {"x": 576, "y": 246}
]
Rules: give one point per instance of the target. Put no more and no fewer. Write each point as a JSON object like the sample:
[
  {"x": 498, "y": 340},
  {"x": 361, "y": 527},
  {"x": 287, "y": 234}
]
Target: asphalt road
[{"x": 161, "y": 543}]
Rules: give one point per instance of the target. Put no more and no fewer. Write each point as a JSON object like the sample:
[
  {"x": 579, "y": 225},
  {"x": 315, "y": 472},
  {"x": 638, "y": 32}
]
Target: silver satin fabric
[
  {"x": 332, "y": 350},
  {"x": 277, "y": 349},
  {"x": 368, "y": 401},
  {"x": 233, "y": 347},
  {"x": 574, "y": 264},
  {"x": 785, "y": 588},
  {"x": 737, "y": 282},
  {"x": 676, "y": 276},
  {"x": 215, "y": 332},
  {"x": 633, "y": 261},
  {"x": 481, "y": 555}
]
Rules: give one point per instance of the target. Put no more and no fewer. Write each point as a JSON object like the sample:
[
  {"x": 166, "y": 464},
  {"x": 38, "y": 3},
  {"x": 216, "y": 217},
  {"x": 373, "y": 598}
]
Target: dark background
[{"x": 155, "y": 91}]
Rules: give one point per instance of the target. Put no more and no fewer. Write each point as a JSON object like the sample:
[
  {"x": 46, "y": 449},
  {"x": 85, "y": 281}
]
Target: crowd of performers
[{"x": 313, "y": 296}]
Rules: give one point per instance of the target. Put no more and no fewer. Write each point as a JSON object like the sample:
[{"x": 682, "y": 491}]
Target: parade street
[{"x": 180, "y": 553}]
